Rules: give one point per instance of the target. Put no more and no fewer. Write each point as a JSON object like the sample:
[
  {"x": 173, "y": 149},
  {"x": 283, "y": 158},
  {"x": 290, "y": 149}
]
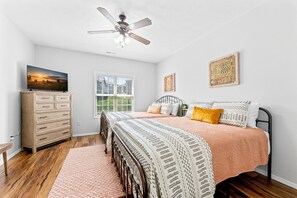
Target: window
[{"x": 113, "y": 93}]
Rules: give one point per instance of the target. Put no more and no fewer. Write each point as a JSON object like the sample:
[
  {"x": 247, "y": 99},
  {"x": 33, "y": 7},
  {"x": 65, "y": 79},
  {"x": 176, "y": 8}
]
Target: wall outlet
[{"x": 13, "y": 137}]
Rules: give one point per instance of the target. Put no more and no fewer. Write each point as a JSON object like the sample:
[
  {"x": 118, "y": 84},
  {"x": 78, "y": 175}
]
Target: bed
[
  {"x": 129, "y": 155},
  {"x": 108, "y": 120}
]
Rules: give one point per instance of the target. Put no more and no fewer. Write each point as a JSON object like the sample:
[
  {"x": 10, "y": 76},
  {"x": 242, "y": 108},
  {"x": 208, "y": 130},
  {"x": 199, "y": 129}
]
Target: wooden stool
[{"x": 3, "y": 149}]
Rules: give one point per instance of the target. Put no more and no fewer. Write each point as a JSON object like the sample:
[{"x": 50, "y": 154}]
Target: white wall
[
  {"x": 267, "y": 41},
  {"x": 16, "y": 51},
  {"x": 81, "y": 67}
]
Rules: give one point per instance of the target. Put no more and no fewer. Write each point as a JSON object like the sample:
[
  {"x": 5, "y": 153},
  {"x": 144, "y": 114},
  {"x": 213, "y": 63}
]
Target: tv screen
[{"x": 45, "y": 79}]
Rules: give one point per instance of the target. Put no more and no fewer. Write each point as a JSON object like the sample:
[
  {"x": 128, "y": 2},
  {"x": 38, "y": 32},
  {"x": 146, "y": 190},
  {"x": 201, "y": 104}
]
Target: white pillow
[
  {"x": 206, "y": 105},
  {"x": 253, "y": 114},
  {"x": 175, "y": 109},
  {"x": 156, "y": 104},
  {"x": 166, "y": 108},
  {"x": 235, "y": 113}
]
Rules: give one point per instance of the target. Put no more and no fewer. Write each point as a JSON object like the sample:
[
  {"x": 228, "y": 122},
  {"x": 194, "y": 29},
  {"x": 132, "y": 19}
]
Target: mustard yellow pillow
[
  {"x": 207, "y": 115},
  {"x": 154, "y": 109}
]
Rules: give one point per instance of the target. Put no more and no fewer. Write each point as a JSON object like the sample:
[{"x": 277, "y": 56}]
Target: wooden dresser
[{"x": 46, "y": 118}]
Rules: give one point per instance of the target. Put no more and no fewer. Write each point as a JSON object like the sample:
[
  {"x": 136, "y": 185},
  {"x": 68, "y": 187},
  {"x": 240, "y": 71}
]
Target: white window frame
[{"x": 96, "y": 73}]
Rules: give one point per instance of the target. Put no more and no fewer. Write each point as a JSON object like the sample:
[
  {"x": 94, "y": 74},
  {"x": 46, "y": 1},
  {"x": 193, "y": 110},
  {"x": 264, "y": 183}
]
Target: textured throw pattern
[
  {"x": 112, "y": 118},
  {"x": 87, "y": 172},
  {"x": 235, "y": 113},
  {"x": 176, "y": 163}
]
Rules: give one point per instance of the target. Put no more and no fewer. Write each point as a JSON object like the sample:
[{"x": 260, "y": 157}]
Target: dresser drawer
[
  {"x": 61, "y": 106},
  {"x": 44, "y": 98},
  {"x": 62, "y": 98},
  {"x": 48, "y": 117},
  {"x": 45, "y": 107},
  {"x": 44, "y": 128},
  {"x": 52, "y": 137}
]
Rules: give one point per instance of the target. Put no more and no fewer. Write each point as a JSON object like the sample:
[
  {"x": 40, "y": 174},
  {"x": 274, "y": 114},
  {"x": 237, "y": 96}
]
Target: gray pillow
[{"x": 175, "y": 109}]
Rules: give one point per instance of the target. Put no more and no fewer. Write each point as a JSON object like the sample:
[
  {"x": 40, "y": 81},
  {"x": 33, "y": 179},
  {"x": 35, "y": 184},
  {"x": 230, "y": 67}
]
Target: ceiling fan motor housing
[
  {"x": 122, "y": 17},
  {"x": 123, "y": 25}
]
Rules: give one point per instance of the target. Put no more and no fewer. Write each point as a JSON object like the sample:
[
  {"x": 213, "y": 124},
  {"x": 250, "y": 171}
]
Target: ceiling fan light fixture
[{"x": 122, "y": 40}]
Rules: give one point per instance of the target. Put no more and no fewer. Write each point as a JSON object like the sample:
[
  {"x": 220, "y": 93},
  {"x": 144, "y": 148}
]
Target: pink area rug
[{"x": 87, "y": 172}]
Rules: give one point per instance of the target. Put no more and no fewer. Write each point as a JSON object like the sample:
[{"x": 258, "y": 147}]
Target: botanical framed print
[
  {"x": 224, "y": 71},
  {"x": 169, "y": 83}
]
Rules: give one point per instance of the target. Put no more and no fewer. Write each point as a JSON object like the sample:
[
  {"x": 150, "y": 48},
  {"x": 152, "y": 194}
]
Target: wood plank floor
[{"x": 33, "y": 175}]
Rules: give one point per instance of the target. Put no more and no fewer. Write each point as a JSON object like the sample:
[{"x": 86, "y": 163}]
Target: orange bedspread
[
  {"x": 147, "y": 115},
  {"x": 234, "y": 150}
]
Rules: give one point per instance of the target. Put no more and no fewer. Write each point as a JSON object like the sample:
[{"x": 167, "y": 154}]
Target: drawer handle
[
  {"x": 42, "y": 127},
  {"x": 43, "y": 117},
  {"x": 45, "y": 98},
  {"x": 43, "y": 138},
  {"x": 63, "y": 105},
  {"x": 65, "y": 132},
  {"x": 65, "y": 123},
  {"x": 45, "y": 106},
  {"x": 63, "y": 98},
  {"x": 65, "y": 114}
]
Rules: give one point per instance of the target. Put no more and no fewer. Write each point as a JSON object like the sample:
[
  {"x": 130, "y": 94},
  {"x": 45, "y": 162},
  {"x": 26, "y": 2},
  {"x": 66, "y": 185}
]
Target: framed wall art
[
  {"x": 224, "y": 71},
  {"x": 169, "y": 83}
]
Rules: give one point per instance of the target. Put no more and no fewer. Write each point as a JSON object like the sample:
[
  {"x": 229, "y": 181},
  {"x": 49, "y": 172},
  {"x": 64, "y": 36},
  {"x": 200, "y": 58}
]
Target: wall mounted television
[{"x": 45, "y": 79}]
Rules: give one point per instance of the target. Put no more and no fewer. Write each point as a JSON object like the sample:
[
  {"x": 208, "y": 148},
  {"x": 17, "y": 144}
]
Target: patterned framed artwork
[
  {"x": 224, "y": 71},
  {"x": 169, "y": 83}
]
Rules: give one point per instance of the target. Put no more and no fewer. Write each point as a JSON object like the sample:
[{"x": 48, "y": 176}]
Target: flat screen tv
[{"x": 45, "y": 79}]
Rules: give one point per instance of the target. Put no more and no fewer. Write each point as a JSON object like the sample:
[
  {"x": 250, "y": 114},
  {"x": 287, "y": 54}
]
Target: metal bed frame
[
  {"x": 133, "y": 189},
  {"x": 163, "y": 99},
  {"x": 268, "y": 122}
]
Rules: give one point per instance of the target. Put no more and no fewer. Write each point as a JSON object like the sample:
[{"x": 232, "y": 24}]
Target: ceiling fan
[{"x": 123, "y": 28}]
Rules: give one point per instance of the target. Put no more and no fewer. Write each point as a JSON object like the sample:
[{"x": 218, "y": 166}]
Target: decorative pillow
[
  {"x": 175, "y": 109},
  {"x": 211, "y": 116},
  {"x": 154, "y": 109},
  {"x": 156, "y": 104},
  {"x": 166, "y": 108},
  {"x": 253, "y": 114},
  {"x": 205, "y": 105},
  {"x": 235, "y": 113}
]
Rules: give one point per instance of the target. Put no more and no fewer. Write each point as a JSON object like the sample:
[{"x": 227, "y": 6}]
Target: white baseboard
[
  {"x": 10, "y": 156},
  {"x": 279, "y": 179},
  {"x": 85, "y": 134}
]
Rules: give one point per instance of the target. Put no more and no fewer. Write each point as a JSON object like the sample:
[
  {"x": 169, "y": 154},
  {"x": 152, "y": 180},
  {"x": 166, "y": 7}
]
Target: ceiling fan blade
[
  {"x": 139, "y": 24},
  {"x": 139, "y": 38},
  {"x": 101, "y": 31},
  {"x": 107, "y": 15}
]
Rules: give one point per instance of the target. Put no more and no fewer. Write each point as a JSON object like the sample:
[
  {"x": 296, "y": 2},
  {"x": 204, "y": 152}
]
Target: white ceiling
[{"x": 176, "y": 23}]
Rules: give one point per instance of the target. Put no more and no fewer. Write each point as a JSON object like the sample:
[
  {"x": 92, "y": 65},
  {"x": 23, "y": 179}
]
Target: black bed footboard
[
  {"x": 104, "y": 128},
  {"x": 130, "y": 186},
  {"x": 268, "y": 121}
]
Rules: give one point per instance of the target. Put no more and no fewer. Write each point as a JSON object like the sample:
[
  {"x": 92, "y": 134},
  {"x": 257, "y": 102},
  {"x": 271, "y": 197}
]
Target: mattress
[
  {"x": 267, "y": 135},
  {"x": 235, "y": 150}
]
